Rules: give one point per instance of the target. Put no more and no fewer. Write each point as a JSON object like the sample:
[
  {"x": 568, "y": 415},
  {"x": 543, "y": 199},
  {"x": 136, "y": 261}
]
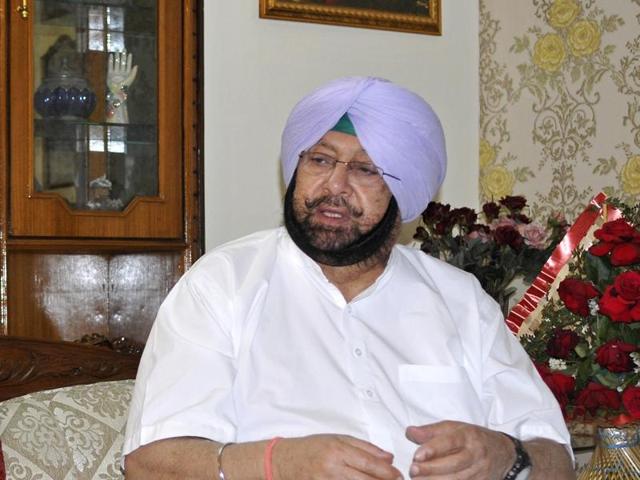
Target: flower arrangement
[
  {"x": 498, "y": 246},
  {"x": 587, "y": 346}
]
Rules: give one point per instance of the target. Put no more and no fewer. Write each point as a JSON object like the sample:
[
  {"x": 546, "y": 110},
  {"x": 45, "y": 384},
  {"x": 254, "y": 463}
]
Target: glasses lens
[
  {"x": 363, "y": 171},
  {"x": 318, "y": 163},
  {"x": 359, "y": 172}
]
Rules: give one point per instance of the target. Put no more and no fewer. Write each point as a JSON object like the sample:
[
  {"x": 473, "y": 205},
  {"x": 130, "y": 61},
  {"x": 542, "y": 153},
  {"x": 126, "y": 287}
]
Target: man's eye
[
  {"x": 364, "y": 169},
  {"x": 321, "y": 159}
]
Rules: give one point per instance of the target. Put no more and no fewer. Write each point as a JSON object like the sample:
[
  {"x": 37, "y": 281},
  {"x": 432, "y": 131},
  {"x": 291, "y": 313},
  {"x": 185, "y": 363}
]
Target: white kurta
[{"x": 254, "y": 342}]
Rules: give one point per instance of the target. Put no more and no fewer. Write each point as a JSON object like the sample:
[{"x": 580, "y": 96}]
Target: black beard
[{"x": 373, "y": 245}]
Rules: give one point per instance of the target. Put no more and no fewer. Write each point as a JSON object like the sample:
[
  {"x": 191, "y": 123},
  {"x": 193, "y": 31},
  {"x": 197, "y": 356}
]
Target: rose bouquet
[
  {"x": 587, "y": 345},
  {"x": 498, "y": 246}
]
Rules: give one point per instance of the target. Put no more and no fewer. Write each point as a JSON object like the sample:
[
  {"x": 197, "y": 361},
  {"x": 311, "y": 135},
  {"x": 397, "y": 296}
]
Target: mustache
[{"x": 333, "y": 201}]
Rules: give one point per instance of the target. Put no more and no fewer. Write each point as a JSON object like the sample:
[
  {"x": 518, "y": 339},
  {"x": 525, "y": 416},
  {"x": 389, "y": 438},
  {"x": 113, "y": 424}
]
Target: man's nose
[{"x": 338, "y": 181}]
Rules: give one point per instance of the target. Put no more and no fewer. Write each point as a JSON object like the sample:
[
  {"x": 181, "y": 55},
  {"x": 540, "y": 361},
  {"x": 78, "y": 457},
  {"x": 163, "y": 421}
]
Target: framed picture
[{"x": 416, "y": 16}]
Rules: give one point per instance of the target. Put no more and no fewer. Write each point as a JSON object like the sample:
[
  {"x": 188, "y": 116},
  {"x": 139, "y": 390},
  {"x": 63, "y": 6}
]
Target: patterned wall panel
[{"x": 559, "y": 101}]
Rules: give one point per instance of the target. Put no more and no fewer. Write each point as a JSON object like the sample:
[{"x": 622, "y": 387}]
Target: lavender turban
[{"x": 396, "y": 127}]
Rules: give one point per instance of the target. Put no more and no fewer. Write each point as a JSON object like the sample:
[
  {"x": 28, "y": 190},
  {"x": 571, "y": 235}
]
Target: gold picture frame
[{"x": 414, "y": 16}]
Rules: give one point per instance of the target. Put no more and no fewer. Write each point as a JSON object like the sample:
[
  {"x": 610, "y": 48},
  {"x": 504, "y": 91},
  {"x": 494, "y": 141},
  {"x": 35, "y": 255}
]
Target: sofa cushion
[{"x": 72, "y": 432}]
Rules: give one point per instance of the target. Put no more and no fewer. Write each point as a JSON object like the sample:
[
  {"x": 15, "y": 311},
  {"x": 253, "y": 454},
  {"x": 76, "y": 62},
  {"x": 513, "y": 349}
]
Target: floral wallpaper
[{"x": 559, "y": 102}]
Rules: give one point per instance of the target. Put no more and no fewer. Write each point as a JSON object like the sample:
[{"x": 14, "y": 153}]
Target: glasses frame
[{"x": 381, "y": 172}]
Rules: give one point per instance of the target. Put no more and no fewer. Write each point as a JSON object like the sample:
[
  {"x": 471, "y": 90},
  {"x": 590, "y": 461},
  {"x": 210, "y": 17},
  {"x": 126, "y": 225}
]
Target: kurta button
[
  {"x": 357, "y": 352},
  {"x": 369, "y": 393}
]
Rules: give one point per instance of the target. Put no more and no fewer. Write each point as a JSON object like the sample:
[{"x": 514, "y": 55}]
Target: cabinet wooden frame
[
  {"x": 4, "y": 177},
  {"x": 38, "y": 214},
  {"x": 335, "y": 14},
  {"x": 184, "y": 145}
]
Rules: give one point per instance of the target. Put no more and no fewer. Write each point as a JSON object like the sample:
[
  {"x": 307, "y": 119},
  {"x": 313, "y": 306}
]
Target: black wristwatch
[{"x": 522, "y": 459}]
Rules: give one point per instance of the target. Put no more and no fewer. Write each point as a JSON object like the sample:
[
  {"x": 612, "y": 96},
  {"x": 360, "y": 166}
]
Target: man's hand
[
  {"x": 329, "y": 457},
  {"x": 458, "y": 450}
]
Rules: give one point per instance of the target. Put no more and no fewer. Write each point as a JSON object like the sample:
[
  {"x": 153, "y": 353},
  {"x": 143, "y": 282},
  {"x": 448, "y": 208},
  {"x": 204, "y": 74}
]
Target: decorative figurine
[{"x": 120, "y": 75}]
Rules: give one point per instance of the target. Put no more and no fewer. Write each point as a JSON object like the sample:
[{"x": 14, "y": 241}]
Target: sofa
[{"x": 63, "y": 409}]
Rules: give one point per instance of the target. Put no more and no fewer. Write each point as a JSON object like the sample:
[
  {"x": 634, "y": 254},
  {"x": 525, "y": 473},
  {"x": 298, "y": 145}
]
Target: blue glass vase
[
  {"x": 64, "y": 93},
  {"x": 64, "y": 98}
]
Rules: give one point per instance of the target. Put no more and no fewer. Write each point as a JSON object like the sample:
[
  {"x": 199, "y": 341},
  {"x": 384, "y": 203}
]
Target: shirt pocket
[{"x": 432, "y": 393}]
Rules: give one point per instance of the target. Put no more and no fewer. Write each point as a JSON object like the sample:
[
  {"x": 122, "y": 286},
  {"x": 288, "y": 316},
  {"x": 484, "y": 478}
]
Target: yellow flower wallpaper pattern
[{"x": 559, "y": 102}]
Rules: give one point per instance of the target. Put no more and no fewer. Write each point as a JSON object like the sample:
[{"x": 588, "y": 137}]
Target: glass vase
[{"x": 616, "y": 456}]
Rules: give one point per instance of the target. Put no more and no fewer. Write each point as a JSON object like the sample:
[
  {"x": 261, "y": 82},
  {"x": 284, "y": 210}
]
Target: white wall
[{"x": 257, "y": 69}]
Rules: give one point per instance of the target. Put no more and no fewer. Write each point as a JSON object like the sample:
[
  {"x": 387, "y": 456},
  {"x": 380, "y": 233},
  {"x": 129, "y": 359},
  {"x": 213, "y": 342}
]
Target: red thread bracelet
[{"x": 268, "y": 456}]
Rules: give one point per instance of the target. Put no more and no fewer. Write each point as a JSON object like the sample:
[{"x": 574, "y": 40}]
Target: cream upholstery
[{"x": 67, "y": 433}]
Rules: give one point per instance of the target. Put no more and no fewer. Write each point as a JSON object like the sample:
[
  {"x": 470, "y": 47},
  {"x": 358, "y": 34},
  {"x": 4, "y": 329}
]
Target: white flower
[
  {"x": 557, "y": 364},
  {"x": 619, "y": 388},
  {"x": 594, "y": 308}
]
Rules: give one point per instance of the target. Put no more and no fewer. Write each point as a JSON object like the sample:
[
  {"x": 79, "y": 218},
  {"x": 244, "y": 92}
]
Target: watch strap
[{"x": 522, "y": 459}]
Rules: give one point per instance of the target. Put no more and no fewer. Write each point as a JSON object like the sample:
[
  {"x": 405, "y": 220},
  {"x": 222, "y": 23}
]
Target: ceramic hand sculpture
[{"x": 120, "y": 75}]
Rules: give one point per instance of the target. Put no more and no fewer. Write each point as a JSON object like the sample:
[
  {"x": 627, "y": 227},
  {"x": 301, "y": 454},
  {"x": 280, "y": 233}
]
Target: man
[{"x": 326, "y": 351}]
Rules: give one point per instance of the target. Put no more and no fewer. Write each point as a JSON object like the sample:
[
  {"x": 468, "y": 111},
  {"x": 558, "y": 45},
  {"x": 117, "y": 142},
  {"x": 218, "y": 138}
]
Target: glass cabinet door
[{"x": 96, "y": 142}]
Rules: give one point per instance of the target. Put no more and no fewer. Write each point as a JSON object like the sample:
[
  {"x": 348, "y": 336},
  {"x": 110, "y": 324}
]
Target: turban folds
[{"x": 397, "y": 128}]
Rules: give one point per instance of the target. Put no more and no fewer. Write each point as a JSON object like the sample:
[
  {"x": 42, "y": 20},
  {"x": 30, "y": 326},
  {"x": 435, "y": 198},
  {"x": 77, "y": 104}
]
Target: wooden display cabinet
[{"x": 100, "y": 206}]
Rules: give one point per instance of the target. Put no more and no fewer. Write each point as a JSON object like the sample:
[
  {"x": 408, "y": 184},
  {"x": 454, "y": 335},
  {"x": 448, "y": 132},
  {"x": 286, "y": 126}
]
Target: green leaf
[
  {"x": 609, "y": 49},
  {"x": 607, "y": 378},
  {"x": 583, "y": 373},
  {"x": 598, "y": 269},
  {"x": 582, "y": 349},
  {"x": 602, "y": 327}
]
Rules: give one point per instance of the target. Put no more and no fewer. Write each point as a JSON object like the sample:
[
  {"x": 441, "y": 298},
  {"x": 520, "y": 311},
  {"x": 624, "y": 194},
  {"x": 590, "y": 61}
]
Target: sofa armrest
[{"x": 71, "y": 432}]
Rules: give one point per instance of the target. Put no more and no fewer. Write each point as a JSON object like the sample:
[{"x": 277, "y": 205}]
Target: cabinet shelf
[
  {"x": 66, "y": 14},
  {"x": 63, "y": 130}
]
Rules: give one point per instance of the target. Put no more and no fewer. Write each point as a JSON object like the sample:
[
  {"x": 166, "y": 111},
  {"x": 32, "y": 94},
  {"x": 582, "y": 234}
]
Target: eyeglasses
[{"x": 361, "y": 173}]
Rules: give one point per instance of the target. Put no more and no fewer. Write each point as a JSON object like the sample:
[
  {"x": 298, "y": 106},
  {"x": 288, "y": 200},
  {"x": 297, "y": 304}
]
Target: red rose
[
  {"x": 561, "y": 385},
  {"x": 542, "y": 369},
  {"x": 601, "y": 249},
  {"x": 575, "y": 294},
  {"x": 617, "y": 231},
  {"x": 562, "y": 342},
  {"x": 491, "y": 210},
  {"x": 631, "y": 401},
  {"x": 444, "y": 227},
  {"x": 514, "y": 202},
  {"x": 627, "y": 285},
  {"x": 614, "y": 356},
  {"x": 595, "y": 396},
  {"x": 625, "y": 254},
  {"x": 435, "y": 212},
  {"x": 507, "y": 235},
  {"x": 465, "y": 216},
  {"x": 521, "y": 218},
  {"x": 614, "y": 306}
]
